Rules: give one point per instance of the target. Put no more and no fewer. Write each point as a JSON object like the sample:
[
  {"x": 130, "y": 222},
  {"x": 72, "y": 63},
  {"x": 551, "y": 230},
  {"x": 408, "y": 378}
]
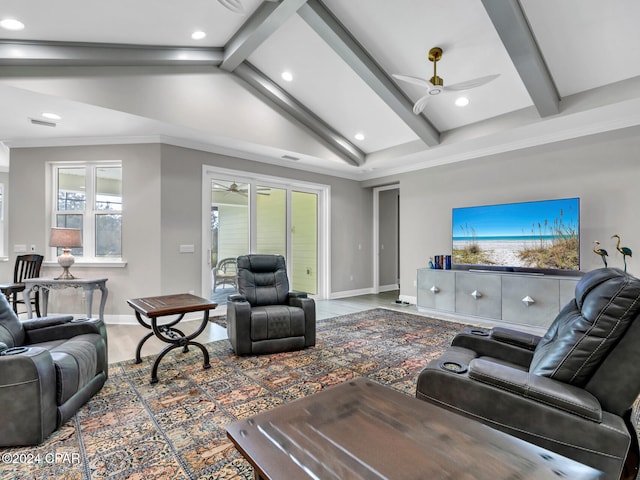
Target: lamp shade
[{"x": 65, "y": 237}]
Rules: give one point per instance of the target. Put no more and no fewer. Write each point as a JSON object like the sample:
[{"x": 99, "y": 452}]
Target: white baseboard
[
  {"x": 121, "y": 320},
  {"x": 350, "y": 293},
  {"x": 388, "y": 288}
]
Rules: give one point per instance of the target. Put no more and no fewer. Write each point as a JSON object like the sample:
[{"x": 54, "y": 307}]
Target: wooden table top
[
  {"x": 363, "y": 430},
  {"x": 170, "y": 304}
]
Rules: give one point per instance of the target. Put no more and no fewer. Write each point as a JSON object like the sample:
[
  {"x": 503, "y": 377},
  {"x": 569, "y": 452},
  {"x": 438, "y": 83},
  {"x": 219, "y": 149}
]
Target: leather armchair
[
  {"x": 49, "y": 368},
  {"x": 570, "y": 391},
  {"x": 265, "y": 317}
]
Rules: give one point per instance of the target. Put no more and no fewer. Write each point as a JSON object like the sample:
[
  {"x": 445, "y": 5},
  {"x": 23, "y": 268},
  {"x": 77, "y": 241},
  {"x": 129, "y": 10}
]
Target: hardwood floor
[{"x": 123, "y": 339}]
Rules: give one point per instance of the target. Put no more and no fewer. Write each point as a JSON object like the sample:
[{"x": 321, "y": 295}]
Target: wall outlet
[
  {"x": 187, "y": 248},
  {"x": 20, "y": 248}
]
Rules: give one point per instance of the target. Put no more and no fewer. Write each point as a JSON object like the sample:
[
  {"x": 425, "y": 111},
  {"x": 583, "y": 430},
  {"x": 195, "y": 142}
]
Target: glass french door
[
  {"x": 304, "y": 241},
  {"x": 261, "y": 216}
]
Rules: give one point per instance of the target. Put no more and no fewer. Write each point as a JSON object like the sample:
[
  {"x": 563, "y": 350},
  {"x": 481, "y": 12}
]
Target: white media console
[{"x": 526, "y": 299}]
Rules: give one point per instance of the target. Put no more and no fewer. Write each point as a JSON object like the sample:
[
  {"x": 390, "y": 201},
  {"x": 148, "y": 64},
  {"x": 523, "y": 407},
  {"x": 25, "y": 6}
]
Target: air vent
[
  {"x": 290, "y": 157},
  {"x": 42, "y": 122}
]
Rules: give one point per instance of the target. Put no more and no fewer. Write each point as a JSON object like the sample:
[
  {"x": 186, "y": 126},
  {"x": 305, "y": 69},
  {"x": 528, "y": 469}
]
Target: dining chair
[{"x": 26, "y": 266}]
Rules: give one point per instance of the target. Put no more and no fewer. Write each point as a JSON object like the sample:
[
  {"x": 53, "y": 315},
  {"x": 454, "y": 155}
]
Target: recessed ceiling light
[
  {"x": 198, "y": 35},
  {"x": 51, "y": 116},
  {"x": 287, "y": 76},
  {"x": 359, "y": 136},
  {"x": 11, "y": 24},
  {"x": 462, "y": 101}
]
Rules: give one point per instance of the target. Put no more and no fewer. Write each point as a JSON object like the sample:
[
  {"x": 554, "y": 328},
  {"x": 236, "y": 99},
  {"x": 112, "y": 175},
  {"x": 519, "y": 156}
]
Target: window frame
[{"x": 89, "y": 213}]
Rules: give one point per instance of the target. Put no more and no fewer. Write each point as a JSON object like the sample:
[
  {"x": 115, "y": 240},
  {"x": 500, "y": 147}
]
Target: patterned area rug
[{"x": 176, "y": 428}]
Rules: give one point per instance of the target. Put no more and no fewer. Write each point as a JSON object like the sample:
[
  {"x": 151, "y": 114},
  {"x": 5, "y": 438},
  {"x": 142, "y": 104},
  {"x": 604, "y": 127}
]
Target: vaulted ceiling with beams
[{"x": 130, "y": 72}]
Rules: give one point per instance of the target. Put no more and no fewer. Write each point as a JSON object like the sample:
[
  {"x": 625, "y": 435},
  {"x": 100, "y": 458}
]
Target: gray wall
[
  {"x": 603, "y": 170},
  {"x": 351, "y": 206},
  {"x": 162, "y": 195},
  {"x": 29, "y": 221}
]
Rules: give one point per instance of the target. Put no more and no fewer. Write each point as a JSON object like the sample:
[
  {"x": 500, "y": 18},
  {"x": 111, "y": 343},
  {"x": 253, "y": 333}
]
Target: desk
[
  {"x": 180, "y": 304},
  {"x": 88, "y": 285},
  {"x": 363, "y": 430}
]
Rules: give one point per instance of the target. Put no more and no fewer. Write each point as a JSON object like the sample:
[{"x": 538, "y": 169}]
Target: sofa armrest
[
  {"x": 239, "y": 324},
  {"x": 308, "y": 305},
  {"x": 27, "y": 396},
  {"x": 484, "y": 344},
  {"x": 296, "y": 294},
  {"x": 65, "y": 330},
  {"x": 515, "y": 337},
  {"x": 545, "y": 390},
  {"x": 48, "y": 321},
  {"x": 236, "y": 297}
]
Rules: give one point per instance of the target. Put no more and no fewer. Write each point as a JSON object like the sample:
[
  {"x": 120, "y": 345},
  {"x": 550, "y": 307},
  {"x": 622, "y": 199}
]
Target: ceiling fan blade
[
  {"x": 420, "y": 104},
  {"x": 476, "y": 82},
  {"x": 234, "y": 5},
  {"x": 415, "y": 80}
]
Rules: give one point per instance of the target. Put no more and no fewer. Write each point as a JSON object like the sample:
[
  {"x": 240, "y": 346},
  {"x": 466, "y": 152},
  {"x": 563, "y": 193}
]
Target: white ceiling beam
[
  {"x": 265, "y": 21},
  {"x": 516, "y": 35},
  {"x": 268, "y": 18},
  {"x": 272, "y": 92},
  {"x": 20, "y": 53},
  {"x": 336, "y": 36}
]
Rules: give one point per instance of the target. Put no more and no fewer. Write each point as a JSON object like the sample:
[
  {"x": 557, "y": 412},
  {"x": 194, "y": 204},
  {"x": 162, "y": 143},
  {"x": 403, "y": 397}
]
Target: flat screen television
[{"x": 535, "y": 237}]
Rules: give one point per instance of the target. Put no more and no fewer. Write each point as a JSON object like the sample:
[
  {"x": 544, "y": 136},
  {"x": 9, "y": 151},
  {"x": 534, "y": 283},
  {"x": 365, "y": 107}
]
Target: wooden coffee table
[
  {"x": 180, "y": 304},
  {"x": 363, "y": 430}
]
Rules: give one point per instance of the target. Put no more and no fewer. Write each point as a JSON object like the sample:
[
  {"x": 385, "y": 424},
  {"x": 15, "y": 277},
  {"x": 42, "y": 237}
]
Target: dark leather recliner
[
  {"x": 265, "y": 317},
  {"x": 570, "y": 391},
  {"x": 49, "y": 368}
]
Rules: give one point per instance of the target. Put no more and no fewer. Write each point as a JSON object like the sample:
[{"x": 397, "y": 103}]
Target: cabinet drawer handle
[
  {"x": 528, "y": 301},
  {"x": 476, "y": 294},
  {"x": 434, "y": 289}
]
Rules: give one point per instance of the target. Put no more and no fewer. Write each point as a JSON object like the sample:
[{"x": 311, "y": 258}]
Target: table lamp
[{"x": 66, "y": 238}]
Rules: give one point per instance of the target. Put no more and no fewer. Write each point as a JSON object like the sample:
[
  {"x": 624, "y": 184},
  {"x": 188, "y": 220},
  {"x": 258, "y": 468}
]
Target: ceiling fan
[
  {"x": 235, "y": 188},
  {"x": 435, "y": 85}
]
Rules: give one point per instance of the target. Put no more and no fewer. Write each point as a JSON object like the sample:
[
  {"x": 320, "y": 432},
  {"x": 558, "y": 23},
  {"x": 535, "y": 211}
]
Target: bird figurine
[
  {"x": 625, "y": 251},
  {"x": 602, "y": 252}
]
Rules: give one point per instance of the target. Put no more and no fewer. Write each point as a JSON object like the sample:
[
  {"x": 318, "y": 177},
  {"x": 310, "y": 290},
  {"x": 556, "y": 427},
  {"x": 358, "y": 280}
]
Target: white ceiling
[{"x": 567, "y": 69}]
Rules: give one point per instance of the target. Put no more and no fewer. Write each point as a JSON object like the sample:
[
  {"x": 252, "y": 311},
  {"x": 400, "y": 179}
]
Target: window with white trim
[{"x": 88, "y": 196}]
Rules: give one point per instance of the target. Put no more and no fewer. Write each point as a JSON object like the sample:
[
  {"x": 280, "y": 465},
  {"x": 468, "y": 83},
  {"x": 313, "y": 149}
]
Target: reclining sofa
[
  {"x": 265, "y": 317},
  {"x": 571, "y": 391},
  {"x": 49, "y": 368}
]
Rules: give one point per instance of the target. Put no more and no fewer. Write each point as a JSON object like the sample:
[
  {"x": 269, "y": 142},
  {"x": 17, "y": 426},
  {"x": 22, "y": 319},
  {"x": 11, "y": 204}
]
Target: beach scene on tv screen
[{"x": 542, "y": 234}]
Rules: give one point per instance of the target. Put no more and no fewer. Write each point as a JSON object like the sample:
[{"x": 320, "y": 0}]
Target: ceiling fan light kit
[{"x": 435, "y": 85}]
